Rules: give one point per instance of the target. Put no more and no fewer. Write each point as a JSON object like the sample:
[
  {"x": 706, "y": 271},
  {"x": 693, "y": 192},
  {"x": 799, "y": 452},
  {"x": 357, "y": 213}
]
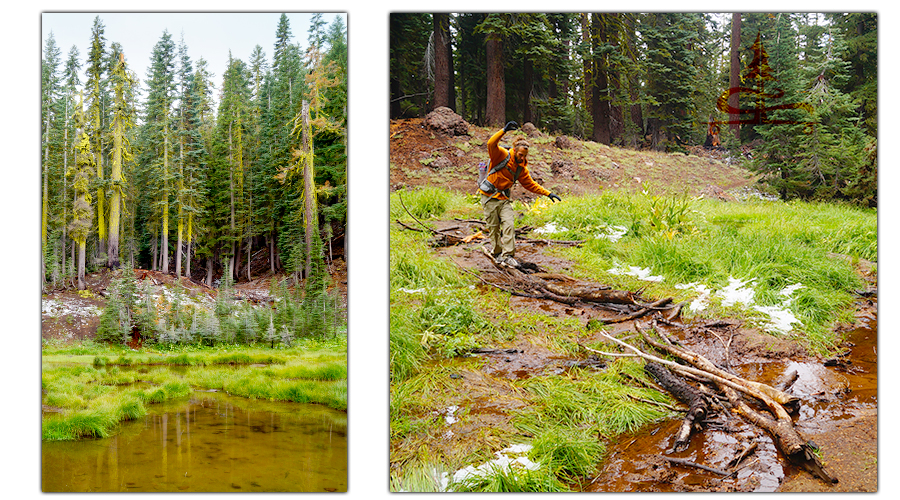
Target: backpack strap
[
  {"x": 500, "y": 165},
  {"x": 506, "y": 192}
]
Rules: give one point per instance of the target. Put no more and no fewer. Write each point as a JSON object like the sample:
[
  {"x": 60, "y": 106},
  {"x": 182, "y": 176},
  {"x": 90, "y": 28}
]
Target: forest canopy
[
  {"x": 802, "y": 87},
  {"x": 192, "y": 173}
]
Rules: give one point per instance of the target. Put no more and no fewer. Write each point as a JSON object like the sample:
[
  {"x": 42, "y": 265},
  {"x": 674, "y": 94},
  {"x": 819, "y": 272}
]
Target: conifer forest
[
  {"x": 799, "y": 89},
  {"x": 162, "y": 165}
]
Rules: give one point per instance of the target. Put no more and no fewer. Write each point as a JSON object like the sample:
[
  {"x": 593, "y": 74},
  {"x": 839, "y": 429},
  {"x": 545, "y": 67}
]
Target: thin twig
[{"x": 681, "y": 461}]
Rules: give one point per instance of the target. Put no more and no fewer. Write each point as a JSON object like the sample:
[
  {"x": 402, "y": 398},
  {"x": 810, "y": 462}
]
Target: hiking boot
[{"x": 508, "y": 262}]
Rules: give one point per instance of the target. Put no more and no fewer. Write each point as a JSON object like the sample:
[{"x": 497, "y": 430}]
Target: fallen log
[
  {"x": 697, "y": 407},
  {"x": 781, "y": 428}
]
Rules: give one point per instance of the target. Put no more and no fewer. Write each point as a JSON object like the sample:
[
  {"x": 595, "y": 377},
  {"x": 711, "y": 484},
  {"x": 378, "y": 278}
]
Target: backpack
[{"x": 486, "y": 185}]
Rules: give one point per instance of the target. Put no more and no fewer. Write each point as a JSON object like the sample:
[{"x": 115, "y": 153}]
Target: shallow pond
[{"x": 210, "y": 443}]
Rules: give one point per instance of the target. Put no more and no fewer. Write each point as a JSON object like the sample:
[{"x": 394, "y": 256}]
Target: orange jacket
[{"x": 503, "y": 178}]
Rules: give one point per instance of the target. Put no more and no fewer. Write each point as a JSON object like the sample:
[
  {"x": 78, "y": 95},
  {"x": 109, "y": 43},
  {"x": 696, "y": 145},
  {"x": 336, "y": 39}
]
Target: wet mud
[
  {"x": 838, "y": 412},
  {"x": 211, "y": 443}
]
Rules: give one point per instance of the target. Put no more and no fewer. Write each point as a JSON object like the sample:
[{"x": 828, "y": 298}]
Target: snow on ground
[
  {"x": 703, "y": 295},
  {"x": 611, "y": 233},
  {"x": 59, "y": 307},
  {"x": 638, "y": 272},
  {"x": 514, "y": 456},
  {"x": 781, "y": 319}
]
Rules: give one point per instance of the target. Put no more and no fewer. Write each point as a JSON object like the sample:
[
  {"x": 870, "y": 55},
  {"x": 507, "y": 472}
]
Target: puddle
[
  {"x": 833, "y": 398},
  {"x": 212, "y": 443}
]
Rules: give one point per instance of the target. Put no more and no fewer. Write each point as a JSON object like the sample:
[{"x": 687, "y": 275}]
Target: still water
[{"x": 211, "y": 443}]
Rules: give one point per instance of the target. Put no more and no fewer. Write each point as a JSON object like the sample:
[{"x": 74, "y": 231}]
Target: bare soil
[{"x": 421, "y": 157}]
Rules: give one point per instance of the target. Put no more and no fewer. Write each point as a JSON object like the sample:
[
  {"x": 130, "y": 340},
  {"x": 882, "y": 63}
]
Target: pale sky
[{"x": 207, "y": 35}]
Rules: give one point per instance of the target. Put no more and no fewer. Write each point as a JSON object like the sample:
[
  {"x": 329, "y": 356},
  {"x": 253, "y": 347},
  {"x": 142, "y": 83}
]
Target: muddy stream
[
  {"x": 211, "y": 443},
  {"x": 838, "y": 412}
]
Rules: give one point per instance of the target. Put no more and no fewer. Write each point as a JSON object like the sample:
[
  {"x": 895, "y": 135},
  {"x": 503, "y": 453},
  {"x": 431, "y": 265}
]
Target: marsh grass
[
  {"x": 512, "y": 480},
  {"x": 94, "y": 395},
  {"x": 705, "y": 241}
]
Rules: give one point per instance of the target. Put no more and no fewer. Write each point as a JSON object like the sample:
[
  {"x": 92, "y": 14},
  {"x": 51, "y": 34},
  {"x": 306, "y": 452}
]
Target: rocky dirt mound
[
  {"x": 443, "y": 150},
  {"x": 445, "y": 121}
]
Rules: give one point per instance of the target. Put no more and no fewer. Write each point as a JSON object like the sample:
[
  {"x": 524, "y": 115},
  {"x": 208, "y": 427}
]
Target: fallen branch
[
  {"x": 687, "y": 395},
  {"x": 742, "y": 455},
  {"x": 681, "y": 461}
]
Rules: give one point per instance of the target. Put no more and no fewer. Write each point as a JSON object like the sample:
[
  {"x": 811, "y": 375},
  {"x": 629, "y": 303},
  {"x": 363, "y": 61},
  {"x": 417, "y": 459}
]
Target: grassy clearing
[
  {"x": 687, "y": 240},
  {"x": 94, "y": 387},
  {"x": 436, "y": 313}
]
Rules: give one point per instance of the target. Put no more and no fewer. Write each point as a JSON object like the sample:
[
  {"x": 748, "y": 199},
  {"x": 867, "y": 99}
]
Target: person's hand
[
  {"x": 510, "y": 126},
  {"x": 553, "y": 197}
]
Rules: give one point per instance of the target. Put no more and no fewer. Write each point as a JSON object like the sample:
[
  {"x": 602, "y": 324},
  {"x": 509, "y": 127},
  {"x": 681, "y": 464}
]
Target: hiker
[{"x": 504, "y": 170}]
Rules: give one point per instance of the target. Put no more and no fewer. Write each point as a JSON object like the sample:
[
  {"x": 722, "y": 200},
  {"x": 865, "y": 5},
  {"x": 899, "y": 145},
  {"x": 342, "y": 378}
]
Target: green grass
[
  {"x": 683, "y": 239},
  {"x": 688, "y": 240},
  {"x": 96, "y": 388}
]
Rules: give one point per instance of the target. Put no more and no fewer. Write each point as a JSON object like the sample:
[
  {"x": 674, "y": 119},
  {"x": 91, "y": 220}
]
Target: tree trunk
[
  {"x": 271, "y": 244},
  {"x": 115, "y": 202},
  {"x": 599, "y": 92},
  {"x": 687, "y": 395},
  {"x": 734, "y": 80},
  {"x": 496, "y": 83},
  {"x": 81, "y": 259},
  {"x": 452, "y": 84},
  {"x": 527, "y": 87},
  {"x": 45, "y": 204},
  {"x": 164, "y": 232},
  {"x": 441, "y": 42},
  {"x": 586, "y": 66},
  {"x": 309, "y": 207},
  {"x": 616, "y": 121},
  {"x": 154, "y": 252}
]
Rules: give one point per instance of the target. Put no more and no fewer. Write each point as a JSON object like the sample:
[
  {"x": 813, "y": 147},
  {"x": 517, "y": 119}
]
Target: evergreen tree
[
  {"x": 50, "y": 90},
  {"x": 159, "y": 128},
  {"x": 96, "y": 87},
  {"x": 123, "y": 120}
]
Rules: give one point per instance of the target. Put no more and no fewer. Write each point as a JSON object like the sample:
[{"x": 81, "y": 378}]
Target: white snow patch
[
  {"x": 781, "y": 318},
  {"x": 638, "y": 272},
  {"x": 737, "y": 292},
  {"x": 503, "y": 463},
  {"x": 550, "y": 228},
  {"x": 449, "y": 415},
  {"x": 613, "y": 233},
  {"x": 56, "y": 307},
  {"x": 703, "y": 295}
]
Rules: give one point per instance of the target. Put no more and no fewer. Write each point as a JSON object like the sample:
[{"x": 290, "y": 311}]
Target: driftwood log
[
  {"x": 686, "y": 394},
  {"x": 779, "y": 425}
]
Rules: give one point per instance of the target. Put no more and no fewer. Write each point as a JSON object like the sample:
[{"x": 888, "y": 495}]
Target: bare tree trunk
[
  {"x": 528, "y": 78},
  {"x": 154, "y": 257},
  {"x": 586, "y": 66},
  {"x": 496, "y": 83},
  {"x": 599, "y": 93},
  {"x": 441, "y": 42},
  {"x": 735, "y": 79}
]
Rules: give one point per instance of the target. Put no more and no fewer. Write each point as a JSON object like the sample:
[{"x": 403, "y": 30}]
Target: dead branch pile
[
  {"x": 774, "y": 418},
  {"x": 537, "y": 283}
]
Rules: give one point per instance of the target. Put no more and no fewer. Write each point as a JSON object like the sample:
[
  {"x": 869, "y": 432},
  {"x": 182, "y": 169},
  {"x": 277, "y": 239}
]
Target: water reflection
[{"x": 212, "y": 443}]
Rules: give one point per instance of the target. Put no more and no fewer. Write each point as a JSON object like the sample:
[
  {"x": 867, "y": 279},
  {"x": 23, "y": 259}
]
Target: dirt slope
[{"x": 420, "y": 157}]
